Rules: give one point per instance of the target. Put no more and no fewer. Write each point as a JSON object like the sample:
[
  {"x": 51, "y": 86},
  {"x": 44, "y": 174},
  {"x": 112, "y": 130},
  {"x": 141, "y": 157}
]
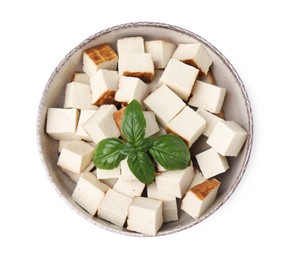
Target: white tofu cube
[
  {"x": 75, "y": 156},
  {"x": 90, "y": 166},
  {"x": 155, "y": 83},
  {"x": 99, "y": 57},
  {"x": 151, "y": 123},
  {"x": 200, "y": 198},
  {"x": 110, "y": 182},
  {"x": 73, "y": 176},
  {"x": 180, "y": 77},
  {"x": 145, "y": 216},
  {"x": 62, "y": 123},
  {"x": 164, "y": 103},
  {"x": 84, "y": 116},
  {"x": 130, "y": 44},
  {"x": 138, "y": 65},
  {"x": 89, "y": 192},
  {"x": 193, "y": 54},
  {"x": 169, "y": 206},
  {"x": 102, "y": 124},
  {"x": 227, "y": 138},
  {"x": 81, "y": 77},
  {"x": 207, "y": 96},
  {"x": 129, "y": 188},
  {"x": 130, "y": 88},
  {"x": 175, "y": 183},
  {"x": 161, "y": 52},
  {"x": 108, "y": 174},
  {"x": 187, "y": 124},
  {"x": 104, "y": 84},
  {"x": 126, "y": 173},
  {"x": 199, "y": 178},
  {"x": 114, "y": 207},
  {"x": 212, "y": 163},
  {"x": 62, "y": 144}
]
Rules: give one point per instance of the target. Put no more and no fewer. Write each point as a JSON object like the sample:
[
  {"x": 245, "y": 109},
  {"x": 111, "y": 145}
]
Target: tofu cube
[
  {"x": 104, "y": 84},
  {"x": 76, "y": 156},
  {"x": 169, "y": 206},
  {"x": 99, "y": 57},
  {"x": 161, "y": 52},
  {"x": 126, "y": 173},
  {"x": 187, "y": 124},
  {"x": 227, "y": 138},
  {"x": 212, "y": 163},
  {"x": 84, "y": 116},
  {"x": 62, "y": 144},
  {"x": 62, "y": 123},
  {"x": 102, "y": 124},
  {"x": 155, "y": 83},
  {"x": 164, "y": 103},
  {"x": 130, "y": 88},
  {"x": 114, "y": 207},
  {"x": 110, "y": 182},
  {"x": 129, "y": 188},
  {"x": 175, "y": 183},
  {"x": 151, "y": 123},
  {"x": 207, "y": 96},
  {"x": 73, "y": 176},
  {"x": 138, "y": 65},
  {"x": 130, "y": 44},
  {"x": 180, "y": 78},
  {"x": 211, "y": 120},
  {"x": 193, "y": 54},
  {"x": 145, "y": 216},
  {"x": 160, "y": 168},
  {"x": 89, "y": 192},
  {"x": 209, "y": 78},
  {"x": 118, "y": 116},
  {"x": 108, "y": 174},
  {"x": 80, "y": 77},
  {"x": 199, "y": 178}
]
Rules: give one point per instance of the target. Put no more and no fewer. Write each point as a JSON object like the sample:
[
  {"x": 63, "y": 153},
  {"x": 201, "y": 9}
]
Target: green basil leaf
[
  {"x": 171, "y": 152},
  {"x": 128, "y": 148},
  {"x": 107, "y": 154},
  {"x": 142, "y": 167},
  {"x": 145, "y": 144},
  {"x": 133, "y": 122}
]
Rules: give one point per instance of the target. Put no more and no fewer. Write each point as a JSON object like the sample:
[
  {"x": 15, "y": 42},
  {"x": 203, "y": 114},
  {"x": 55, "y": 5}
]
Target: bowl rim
[{"x": 249, "y": 140}]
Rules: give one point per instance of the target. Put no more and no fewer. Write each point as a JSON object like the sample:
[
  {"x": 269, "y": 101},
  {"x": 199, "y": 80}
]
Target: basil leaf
[
  {"x": 142, "y": 167},
  {"x": 171, "y": 152},
  {"x": 145, "y": 144},
  {"x": 107, "y": 154},
  {"x": 128, "y": 148},
  {"x": 133, "y": 122}
]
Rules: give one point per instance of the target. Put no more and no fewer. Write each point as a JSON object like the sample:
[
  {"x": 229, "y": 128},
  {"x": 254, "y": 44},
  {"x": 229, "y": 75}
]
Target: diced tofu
[
  {"x": 164, "y": 103},
  {"x": 104, "y": 84},
  {"x": 114, "y": 207},
  {"x": 62, "y": 144},
  {"x": 161, "y": 52},
  {"x": 227, "y": 138},
  {"x": 200, "y": 197},
  {"x": 138, "y": 65},
  {"x": 145, "y": 216},
  {"x": 212, "y": 163},
  {"x": 211, "y": 120},
  {"x": 130, "y": 88},
  {"x": 126, "y": 173},
  {"x": 207, "y": 96},
  {"x": 80, "y": 77},
  {"x": 84, "y": 116},
  {"x": 73, "y": 176},
  {"x": 110, "y": 182},
  {"x": 209, "y": 78},
  {"x": 169, "y": 206},
  {"x": 199, "y": 178},
  {"x": 62, "y": 123},
  {"x": 118, "y": 116},
  {"x": 90, "y": 166},
  {"x": 175, "y": 183},
  {"x": 130, "y": 44},
  {"x": 89, "y": 192},
  {"x": 75, "y": 156},
  {"x": 102, "y": 124},
  {"x": 193, "y": 54},
  {"x": 108, "y": 174},
  {"x": 188, "y": 124},
  {"x": 155, "y": 83},
  {"x": 129, "y": 188},
  {"x": 180, "y": 78},
  {"x": 99, "y": 57},
  {"x": 151, "y": 124}
]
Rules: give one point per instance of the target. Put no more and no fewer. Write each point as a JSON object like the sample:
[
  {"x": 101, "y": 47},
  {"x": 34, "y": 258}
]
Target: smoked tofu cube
[
  {"x": 84, "y": 116},
  {"x": 175, "y": 183},
  {"x": 62, "y": 123},
  {"x": 99, "y": 57},
  {"x": 130, "y": 44},
  {"x": 114, "y": 207},
  {"x": 193, "y": 54},
  {"x": 180, "y": 78},
  {"x": 104, "y": 84},
  {"x": 151, "y": 123},
  {"x": 169, "y": 206},
  {"x": 80, "y": 77},
  {"x": 138, "y": 65},
  {"x": 89, "y": 192},
  {"x": 207, "y": 96},
  {"x": 102, "y": 124},
  {"x": 108, "y": 174},
  {"x": 187, "y": 124},
  {"x": 200, "y": 198},
  {"x": 76, "y": 156},
  {"x": 227, "y": 138},
  {"x": 164, "y": 103},
  {"x": 199, "y": 178},
  {"x": 145, "y": 216},
  {"x": 126, "y": 173},
  {"x": 161, "y": 52},
  {"x": 155, "y": 83},
  {"x": 212, "y": 163},
  {"x": 130, "y": 88},
  {"x": 129, "y": 188}
]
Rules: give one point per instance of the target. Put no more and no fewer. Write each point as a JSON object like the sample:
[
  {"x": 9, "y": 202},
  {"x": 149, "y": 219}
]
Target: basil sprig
[{"x": 170, "y": 151}]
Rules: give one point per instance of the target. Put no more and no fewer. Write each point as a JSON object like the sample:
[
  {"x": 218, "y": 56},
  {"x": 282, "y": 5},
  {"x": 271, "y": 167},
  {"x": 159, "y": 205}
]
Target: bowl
[{"x": 236, "y": 107}]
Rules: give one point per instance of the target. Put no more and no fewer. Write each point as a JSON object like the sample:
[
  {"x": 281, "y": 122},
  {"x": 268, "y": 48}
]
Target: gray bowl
[{"x": 236, "y": 107}]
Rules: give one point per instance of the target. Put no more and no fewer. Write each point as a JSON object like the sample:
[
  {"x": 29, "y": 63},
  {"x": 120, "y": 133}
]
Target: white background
[{"x": 255, "y": 223}]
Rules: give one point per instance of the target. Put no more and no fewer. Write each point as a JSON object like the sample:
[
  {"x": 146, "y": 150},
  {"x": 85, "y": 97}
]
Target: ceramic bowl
[{"x": 236, "y": 107}]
